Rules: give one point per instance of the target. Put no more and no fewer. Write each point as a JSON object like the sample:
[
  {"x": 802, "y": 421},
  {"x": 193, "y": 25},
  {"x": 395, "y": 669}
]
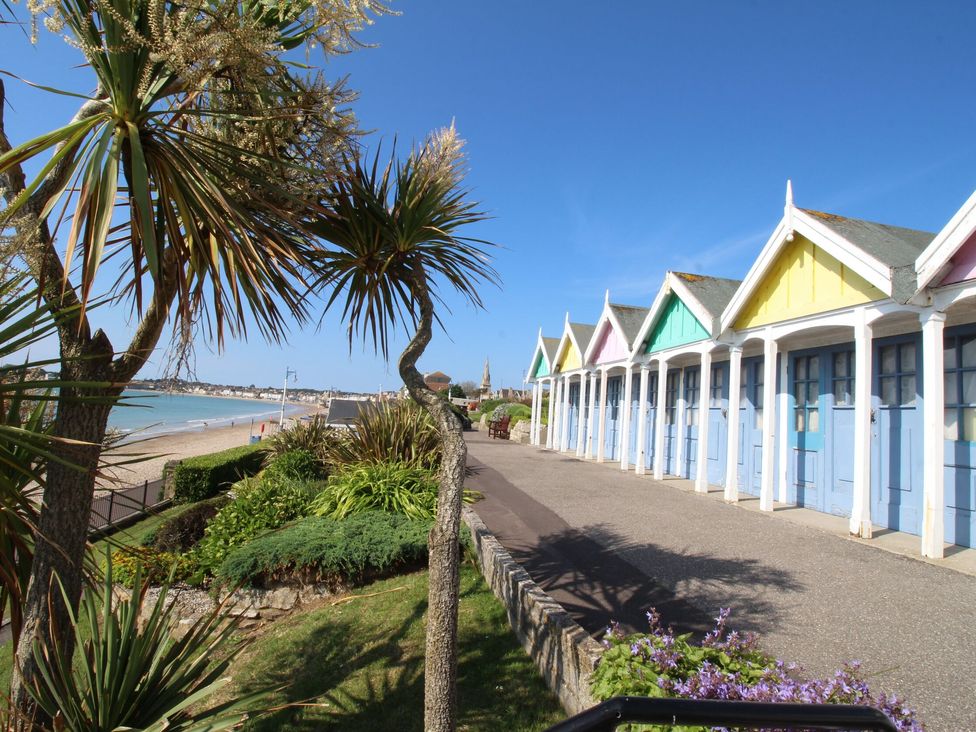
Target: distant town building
[{"x": 437, "y": 380}]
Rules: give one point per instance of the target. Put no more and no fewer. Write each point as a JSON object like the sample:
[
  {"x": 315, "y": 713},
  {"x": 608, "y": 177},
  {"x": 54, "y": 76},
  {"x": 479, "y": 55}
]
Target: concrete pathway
[{"x": 608, "y": 544}]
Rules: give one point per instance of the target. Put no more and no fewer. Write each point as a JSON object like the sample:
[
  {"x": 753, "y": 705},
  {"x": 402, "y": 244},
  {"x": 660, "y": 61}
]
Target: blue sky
[{"x": 612, "y": 142}]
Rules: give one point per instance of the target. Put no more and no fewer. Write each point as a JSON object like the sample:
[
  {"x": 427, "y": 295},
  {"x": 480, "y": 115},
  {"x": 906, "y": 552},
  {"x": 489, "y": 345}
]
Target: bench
[{"x": 498, "y": 428}]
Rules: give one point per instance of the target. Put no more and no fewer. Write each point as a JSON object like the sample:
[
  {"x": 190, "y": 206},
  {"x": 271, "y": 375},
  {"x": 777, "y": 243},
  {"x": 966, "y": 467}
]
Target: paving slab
[{"x": 607, "y": 544}]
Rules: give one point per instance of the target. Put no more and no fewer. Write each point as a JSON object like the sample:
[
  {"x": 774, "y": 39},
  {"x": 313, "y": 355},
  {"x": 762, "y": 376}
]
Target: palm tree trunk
[
  {"x": 63, "y": 522},
  {"x": 440, "y": 670}
]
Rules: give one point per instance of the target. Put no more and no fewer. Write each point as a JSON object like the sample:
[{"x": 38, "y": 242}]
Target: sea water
[{"x": 151, "y": 413}]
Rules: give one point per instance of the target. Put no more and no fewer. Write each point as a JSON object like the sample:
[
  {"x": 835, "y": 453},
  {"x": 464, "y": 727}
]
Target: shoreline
[
  {"x": 160, "y": 449},
  {"x": 167, "y": 392}
]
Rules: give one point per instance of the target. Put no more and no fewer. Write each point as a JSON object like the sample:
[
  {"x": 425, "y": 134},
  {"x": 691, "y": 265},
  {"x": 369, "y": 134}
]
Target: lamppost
[{"x": 284, "y": 393}]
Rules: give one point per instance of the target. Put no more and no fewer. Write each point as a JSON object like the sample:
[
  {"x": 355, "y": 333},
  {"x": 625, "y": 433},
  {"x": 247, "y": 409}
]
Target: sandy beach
[{"x": 164, "y": 448}]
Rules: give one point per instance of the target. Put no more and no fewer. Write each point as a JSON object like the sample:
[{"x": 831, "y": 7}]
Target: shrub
[
  {"x": 198, "y": 478},
  {"x": 294, "y": 465},
  {"x": 401, "y": 432},
  {"x": 322, "y": 549},
  {"x": 259, "y": 506},
  {"x": 726, "y": 665},
  {"x": 182, "y": 532},
  {"x": 154, "y": 565},
  {"x": 311, "y": 435},
  {"x": 391, "y": 487}
]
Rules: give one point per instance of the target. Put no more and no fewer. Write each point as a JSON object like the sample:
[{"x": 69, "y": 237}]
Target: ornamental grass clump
[
  {"x": 726, "y": 665},
  {"x": 393, "y": 487},
  {"x": 400, "y": 432}
]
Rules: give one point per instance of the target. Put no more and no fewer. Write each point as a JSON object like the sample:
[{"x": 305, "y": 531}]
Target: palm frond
[{"x": 392, "y": 228}]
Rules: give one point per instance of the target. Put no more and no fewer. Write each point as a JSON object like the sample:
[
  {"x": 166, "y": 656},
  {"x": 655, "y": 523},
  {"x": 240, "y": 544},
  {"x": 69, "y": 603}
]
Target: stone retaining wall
[{"x": 564, "y": 652}]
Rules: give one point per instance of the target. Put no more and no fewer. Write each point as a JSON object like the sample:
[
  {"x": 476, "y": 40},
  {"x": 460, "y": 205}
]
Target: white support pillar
[
  {"x": 679, "y": 420},
  {"x": 602, "y": 431},
  {"x": 551, "y": 428},
  {"x": 861, "y": 493},
  {"x": 564, "y": 416},
  {"x": 933, "y": 441},
  {"x": 625, "y": 432},
  {"x": 783, "y": 415},
  {"x": 641, "y": 457},
  {"x": 588, "y": 449},
  {"x": 732, "y": 457},
  {"x": 769, "y": 426},
  {"x": 704, "y": 411},
  {"x": 581, "y": 415},
  {"x": 662, "y": 395},
  {"x": 534, "y": 429}
]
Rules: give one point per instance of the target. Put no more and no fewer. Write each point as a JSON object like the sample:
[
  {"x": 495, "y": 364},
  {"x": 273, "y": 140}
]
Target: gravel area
[{"x": 815, "y": 598}]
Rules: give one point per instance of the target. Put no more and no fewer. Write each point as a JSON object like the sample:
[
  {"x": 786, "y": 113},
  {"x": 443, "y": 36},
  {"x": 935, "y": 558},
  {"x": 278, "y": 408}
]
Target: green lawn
[{"x": 359, "y": 665}]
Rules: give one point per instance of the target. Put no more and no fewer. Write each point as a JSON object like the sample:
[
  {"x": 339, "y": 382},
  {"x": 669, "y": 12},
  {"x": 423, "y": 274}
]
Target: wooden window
[
  {"x": 897, "y": 375},
  {"x": 806, "y": 394},
  {"x": 671, "y": 396},
  {"x": 960, "y": 388},
  {"x": 717, "y": 387},
  {"x": 692, "y": 389},
  {"x": 843, "y": 379}
]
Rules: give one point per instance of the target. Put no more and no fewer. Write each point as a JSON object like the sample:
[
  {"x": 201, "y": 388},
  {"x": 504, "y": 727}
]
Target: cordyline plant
[
  {"x": 196, "y": 164},
  {"x": 394, "y": 232},
  {"x": 726, "y": 665}
]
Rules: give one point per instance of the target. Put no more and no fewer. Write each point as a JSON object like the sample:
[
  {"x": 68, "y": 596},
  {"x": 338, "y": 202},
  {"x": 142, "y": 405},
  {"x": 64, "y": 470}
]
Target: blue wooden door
[
  {"x": 839, "y": 446},
  {"x": 750, "y": 425},
  {"x": 634, "y": 416},
  {"x": 960, "y": 436},
  {"x": 650, "y": 425},
  {"x": 692, "y": 414},
  {"x": 670, "y": 421},
  {"x": 718, "y": 403},
  {"x": 611, "y": 445},
  {"x": 806, "y": 429},
  {"x": 897, "y": 440},
  {"x": 597, "y": 398},
  {"x": 572, "y": 429}
]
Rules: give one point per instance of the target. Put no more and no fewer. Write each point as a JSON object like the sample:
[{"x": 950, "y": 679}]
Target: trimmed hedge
[
  {"x": 198, "y": 478},
  {"x": 181, "y": 533},
  {"x": 319, "y": 548}
]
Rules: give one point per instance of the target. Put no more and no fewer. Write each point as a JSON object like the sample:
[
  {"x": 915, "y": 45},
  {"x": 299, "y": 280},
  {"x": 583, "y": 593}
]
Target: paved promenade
[{"x": 608, "y": 544}]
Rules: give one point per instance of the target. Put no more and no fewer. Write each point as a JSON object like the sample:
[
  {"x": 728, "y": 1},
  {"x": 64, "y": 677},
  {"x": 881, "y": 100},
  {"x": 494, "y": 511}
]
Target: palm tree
[
  {"x": 196, "y": 164},
  {"x": 394, "y": 236}
]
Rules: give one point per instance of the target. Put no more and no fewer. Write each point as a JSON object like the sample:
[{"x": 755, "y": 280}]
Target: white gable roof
[{"x": 935, "y": 262}]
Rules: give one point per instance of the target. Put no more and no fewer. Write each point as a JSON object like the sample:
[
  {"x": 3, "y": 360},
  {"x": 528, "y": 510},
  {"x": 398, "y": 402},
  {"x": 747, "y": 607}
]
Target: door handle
[{"x": 874, "y": 417}]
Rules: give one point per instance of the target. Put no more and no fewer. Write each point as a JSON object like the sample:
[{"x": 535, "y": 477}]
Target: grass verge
[{"x": 358, "y": 665}]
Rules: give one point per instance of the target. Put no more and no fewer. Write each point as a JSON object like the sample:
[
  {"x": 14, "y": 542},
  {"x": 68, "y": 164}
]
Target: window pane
[
  {"x": 757, "y": 422},
  {"x": 908, "y": 358},
  {"x": 691, "y": 417},
  {"x": 950, "y": 353},
  {"x": 813, "y": 393},
  {"x": 718, "y": 377},
  {"x": 840, "y": 365},
  {"x": 760, "y": 375},
  {"x": 950, "y": 386},
  {"x": 842, "y": 393},
  {"x": 760, "y": 395},
  {"x": 888, "y": 396},
  {"x": 967, "y": 428},
  {"x": 813, "y": 370},
  {"x": 968, "y": 387},
  {"x": 813, "y": 420},
  {"x": 968, "y": 355},
  {"x": 889, "y": 361},
  {"x": 801, "y": 369},
  {"x": 799, "y": 393},
  {"x": 907, "y": 396},
  {"x": 952, "y": 424},
  {"x": 800, "y": 420}
]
